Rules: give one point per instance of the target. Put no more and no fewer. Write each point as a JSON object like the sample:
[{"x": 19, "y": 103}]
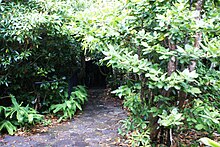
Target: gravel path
[{"x": 95, "y": 127}]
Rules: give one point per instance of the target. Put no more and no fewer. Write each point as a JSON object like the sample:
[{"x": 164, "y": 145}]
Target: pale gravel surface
[{"x": 96, "y": 127}]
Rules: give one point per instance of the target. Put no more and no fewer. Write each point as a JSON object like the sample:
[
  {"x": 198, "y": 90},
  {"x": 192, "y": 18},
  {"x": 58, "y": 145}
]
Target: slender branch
[{"x": 171, "y": 137}]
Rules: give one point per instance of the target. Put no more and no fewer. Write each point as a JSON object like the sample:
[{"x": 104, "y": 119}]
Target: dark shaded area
[
  {"x": 5, "y": 101},
  {"x": 96, "y": 76},
  {"x": 72, "y": 82}
]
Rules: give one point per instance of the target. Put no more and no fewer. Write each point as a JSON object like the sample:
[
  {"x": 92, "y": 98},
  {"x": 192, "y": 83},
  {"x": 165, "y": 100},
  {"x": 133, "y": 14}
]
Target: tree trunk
[
  {"x": 142, "y": 79},
  {"x": 198, "y": 35},
  {"x": 172, "y": 65},
  {"x": 82, "y": 73}
]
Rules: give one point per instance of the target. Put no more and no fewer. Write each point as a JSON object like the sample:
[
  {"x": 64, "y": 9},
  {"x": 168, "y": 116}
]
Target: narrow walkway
[{"x": 95, "y": 127}]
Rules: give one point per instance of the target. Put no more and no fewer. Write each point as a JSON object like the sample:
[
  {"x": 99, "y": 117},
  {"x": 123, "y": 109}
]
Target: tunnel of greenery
[{"x": 161, "y": 57}]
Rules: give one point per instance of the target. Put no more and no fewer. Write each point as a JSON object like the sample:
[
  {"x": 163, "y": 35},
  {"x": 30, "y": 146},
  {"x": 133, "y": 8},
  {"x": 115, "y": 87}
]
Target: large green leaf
[
  {"x": 8, "y": 126},
  {"x": 209, "y": 142}
]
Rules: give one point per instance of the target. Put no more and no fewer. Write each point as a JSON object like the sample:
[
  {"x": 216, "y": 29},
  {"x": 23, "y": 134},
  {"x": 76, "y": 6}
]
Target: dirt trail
[{"x": 95, "y": 127}]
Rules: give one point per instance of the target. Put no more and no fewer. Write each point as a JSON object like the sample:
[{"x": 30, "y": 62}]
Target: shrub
[
  {"x": 17, "y": 116},
  {"x": 68, "y": 107}
]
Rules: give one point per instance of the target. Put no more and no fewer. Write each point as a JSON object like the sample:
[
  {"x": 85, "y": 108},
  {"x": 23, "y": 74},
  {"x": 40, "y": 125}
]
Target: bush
[
  {"x": 17, "y": 116},
  {"x": 68, "y": 107}
]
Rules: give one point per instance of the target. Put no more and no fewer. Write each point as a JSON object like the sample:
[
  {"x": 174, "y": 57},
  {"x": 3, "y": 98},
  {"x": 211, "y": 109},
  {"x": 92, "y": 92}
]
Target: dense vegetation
[
  {"x": 38, "y": 56},
  {"x": 164, "y": 54}
]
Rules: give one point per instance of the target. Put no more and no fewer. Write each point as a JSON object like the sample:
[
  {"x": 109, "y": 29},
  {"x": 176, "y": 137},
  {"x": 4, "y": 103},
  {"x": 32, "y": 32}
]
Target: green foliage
[
  {"x": 203, "y": 116},
  {"x": 53, "y": 92},
  {"x": 132, "y": 100},
  {"x": 136, "y": 123},
  {"x": 68, "y": 107},
  {"x": 38, "y": 54},
  {"x": 5, "y": 124},
  {"x": 22, "y": 114},
  {"x": 171, "y": 120},
  {"x": 46, "y": 122},
  {"x": 141, "y": 39},
  {"x": 36, "y": 45},
  {"x": 17, "y": 116},
  {"x": 209, "y": 142},
  {"x": 140, "y": 139}
]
